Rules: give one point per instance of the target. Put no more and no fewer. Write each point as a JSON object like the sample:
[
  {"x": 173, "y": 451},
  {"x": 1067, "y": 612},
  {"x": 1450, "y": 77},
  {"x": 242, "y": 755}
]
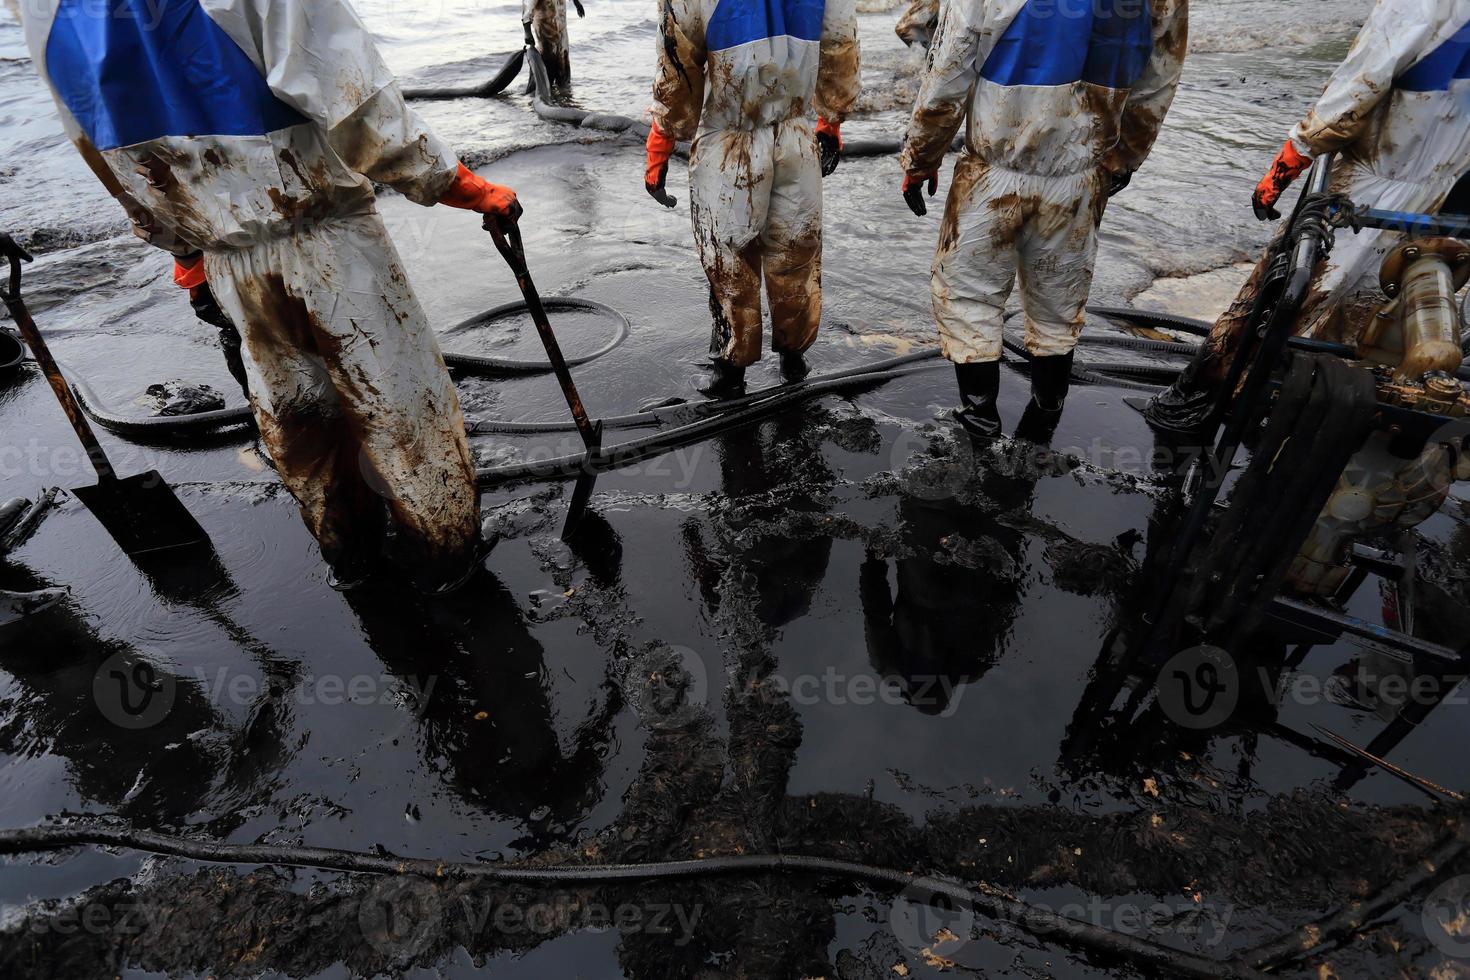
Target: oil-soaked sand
[{"x": 839, "y": 632}]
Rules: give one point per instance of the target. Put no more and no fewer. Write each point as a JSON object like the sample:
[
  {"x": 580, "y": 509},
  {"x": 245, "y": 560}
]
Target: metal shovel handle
[
  {"x": 12, "y": 251},
  {"x": 507, "y": 236}
]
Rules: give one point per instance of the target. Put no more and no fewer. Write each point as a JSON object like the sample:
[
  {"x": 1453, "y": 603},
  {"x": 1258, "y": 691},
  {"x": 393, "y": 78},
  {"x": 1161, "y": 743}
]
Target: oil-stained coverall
[
  {"x": 548, "y": 19},
  {"x": 1059, "y": 98},
  {"x": 253, "y": 130},
  {"x": 917, "y": 23},
  {"x": 1397, "y": 111},
  {"x": 739, "y": 78}
]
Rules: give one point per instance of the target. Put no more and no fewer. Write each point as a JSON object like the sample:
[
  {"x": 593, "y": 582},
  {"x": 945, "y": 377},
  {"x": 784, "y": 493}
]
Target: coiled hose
[
  {"x": 176, "y": 425},
  {"x": 985, "y": 899}
]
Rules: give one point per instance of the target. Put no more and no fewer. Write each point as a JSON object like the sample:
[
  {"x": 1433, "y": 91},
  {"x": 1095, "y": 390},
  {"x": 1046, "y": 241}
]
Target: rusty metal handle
[
  {"x": 32, "y": 334},
  {"x": 507, "y": 236}
]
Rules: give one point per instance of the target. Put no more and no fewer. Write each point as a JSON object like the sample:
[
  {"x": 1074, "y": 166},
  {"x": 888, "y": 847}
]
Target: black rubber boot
[
  {"x": 1051, "y": 378},
  {"x": 721, "y": 380},
  {"x": 794, "y": 368},
  {"x": 1184, "y": 410},
  {"x": 979, "y": 391}
]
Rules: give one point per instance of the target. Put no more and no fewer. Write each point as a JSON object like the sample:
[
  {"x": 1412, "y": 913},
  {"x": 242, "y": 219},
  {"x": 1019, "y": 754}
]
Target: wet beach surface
[{"x": 843, "y": 631}]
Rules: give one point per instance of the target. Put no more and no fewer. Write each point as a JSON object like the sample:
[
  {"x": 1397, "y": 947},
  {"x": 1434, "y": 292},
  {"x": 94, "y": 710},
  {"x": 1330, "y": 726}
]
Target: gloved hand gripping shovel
[
  {"x": 140, "y": 512},
  {"x": 507, "y": 235}
]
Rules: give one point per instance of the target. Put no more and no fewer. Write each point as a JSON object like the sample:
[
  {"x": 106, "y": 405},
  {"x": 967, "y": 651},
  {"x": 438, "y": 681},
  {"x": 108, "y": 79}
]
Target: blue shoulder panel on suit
[
  {"x": 1449, "y": 63},
  {"x": 738, "y": 22},
  {"x": 132, "y": 71},
  {"x": 1058, "y": 42}
]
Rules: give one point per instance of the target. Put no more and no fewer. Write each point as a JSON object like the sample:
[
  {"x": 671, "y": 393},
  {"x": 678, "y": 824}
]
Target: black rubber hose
[
  {"x": 1167, "y": 321},
  {"x": 172, "y": 425},
  {"x": 511, "y": 366},
  {"x": 12, "y": 351},
  {"x": 626, "y": 454},
  {"x": 686, "y": 413},
  {"x": 490, "y": 89},
  {"x": 985, "y": 899}
]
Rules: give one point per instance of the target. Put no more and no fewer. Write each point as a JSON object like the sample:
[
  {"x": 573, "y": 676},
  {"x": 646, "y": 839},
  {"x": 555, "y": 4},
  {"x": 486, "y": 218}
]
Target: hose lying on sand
[{"x": 984, "y": 899}]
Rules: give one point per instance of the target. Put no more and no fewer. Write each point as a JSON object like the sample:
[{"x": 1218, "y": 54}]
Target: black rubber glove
[
  {"x": 657, "y": 192},
  {"x": 831, "y": 148},
  {"x": 1264, "y": 212},
  {"x": 914, "y": 196}
]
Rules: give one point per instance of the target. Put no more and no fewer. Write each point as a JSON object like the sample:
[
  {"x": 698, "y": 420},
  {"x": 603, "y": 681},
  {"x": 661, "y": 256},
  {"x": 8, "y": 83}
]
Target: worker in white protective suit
[
  {"x": 917, "y": 23},
  {"x": 545, "y": 22},
  {"x": 740, "y": 79},
  {"x": 253, "y": 132},
  {"x": 1397, "y": 111},
  {"x": 1063, "y": 102}
]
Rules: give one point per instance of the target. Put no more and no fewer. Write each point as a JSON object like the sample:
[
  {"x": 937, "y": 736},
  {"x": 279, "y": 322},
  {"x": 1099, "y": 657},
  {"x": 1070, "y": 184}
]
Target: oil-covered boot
[
  {"x": 794, "y": 368},
  {"x": 1186, "y": 408},
  {"x": 979, "y": 391},
  {"x": 721, "y": 380},
  {"x": 1051, "y": 378}
]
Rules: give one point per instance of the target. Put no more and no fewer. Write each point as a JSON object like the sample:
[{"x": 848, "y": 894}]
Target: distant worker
[
  {"x": 1396, "y": 113},
  {"x": 917, "y": 23},
  {"x": 1061, "y": 111},
  {"x": 347, "y": 384},
  {"x": 742, "y": 76},
  {"x": 545, "y": 22}
]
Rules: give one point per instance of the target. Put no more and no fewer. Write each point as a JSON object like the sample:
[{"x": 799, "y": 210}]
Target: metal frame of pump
[{"x": 1408, "y": 408}]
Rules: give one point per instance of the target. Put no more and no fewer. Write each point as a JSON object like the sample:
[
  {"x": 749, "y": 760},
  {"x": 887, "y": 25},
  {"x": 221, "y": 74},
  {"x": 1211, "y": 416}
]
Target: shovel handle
[
  {"x": 507, "y": 236},
  {"x": 22, "y": 317}
]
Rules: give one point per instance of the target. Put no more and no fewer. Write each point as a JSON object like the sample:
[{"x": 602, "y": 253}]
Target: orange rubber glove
[
  {"x": 656, "y": 173},
  {"x": 189, "y": 272},
  {"x": 829, "y": 143},
  {"x": 913, "y": 190},
  {"x": 473, "y": 193},
  {"x": 1287, "y": 167}
]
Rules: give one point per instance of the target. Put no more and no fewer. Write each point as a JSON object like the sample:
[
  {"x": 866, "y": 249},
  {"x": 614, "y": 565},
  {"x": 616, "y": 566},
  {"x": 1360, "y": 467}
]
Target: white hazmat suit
[
  {"x": 253, "y": 129},
  {"x": 1397, "y": 112},
  {"x": 740, "y": 78},
  {"x": 1058, "y": 97}
]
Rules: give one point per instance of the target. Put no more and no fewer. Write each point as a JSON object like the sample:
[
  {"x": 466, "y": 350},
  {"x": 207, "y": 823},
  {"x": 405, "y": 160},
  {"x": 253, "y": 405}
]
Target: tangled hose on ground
[
  {"x": 984, "y": 899},
  {"x": 202, "y": 422}
]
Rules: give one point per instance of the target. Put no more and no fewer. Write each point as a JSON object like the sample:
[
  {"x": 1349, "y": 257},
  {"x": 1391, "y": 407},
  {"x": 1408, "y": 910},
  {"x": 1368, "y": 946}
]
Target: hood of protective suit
[{"x": 230, "y": 120}]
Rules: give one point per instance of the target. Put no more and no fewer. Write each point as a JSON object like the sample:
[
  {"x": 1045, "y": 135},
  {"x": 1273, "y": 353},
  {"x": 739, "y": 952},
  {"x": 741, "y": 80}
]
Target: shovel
[
  {"x": 507, "y": 235},
  {"x": 140, "y": 512}
]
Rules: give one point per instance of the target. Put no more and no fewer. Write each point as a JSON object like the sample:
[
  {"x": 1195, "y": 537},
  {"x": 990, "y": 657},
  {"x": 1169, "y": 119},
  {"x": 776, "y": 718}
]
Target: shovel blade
[{"x": 142, "y": 514}]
